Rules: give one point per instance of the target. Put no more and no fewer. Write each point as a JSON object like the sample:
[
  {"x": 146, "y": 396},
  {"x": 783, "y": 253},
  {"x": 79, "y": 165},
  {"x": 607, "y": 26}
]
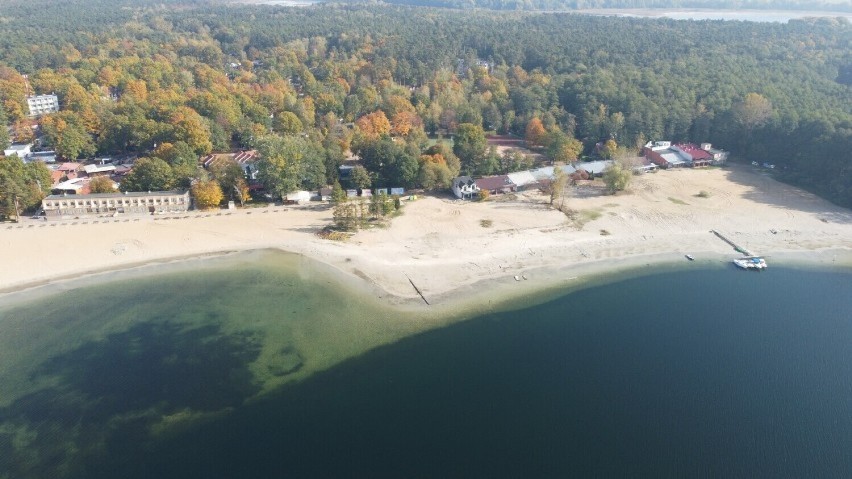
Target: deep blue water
[{"x": 701, "y": 373}]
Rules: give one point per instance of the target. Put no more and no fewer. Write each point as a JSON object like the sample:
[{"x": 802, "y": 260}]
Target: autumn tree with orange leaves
[
  {"x": 535, "y": 133},
  {"x": 373, "y": 125}
]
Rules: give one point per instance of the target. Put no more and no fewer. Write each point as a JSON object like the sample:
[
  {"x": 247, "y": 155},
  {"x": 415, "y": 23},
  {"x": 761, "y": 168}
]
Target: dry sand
[{"x": 449, "y": 247}]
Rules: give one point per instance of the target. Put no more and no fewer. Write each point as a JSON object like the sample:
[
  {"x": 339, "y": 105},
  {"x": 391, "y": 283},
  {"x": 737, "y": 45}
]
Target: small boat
[
  {"x": 690, "y": 257},
  {"x": 751, "y": 262}
]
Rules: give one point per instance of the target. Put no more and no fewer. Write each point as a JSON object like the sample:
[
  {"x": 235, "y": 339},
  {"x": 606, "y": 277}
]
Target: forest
[{"x": 169, "y": 81}]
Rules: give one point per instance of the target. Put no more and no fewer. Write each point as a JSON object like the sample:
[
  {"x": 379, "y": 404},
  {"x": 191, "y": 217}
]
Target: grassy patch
[
  {"x": 703, "y": 194},
  {"x": 485, "y": 223},
  {"x": 434, "y": 141},
  {"x": 610, "y": 205},
  {"x": 581, "y": 217},
  {"x": 335, "y": 235},
  {"x": 605, "y": 233},
  {"x": 677, "y": 201}
]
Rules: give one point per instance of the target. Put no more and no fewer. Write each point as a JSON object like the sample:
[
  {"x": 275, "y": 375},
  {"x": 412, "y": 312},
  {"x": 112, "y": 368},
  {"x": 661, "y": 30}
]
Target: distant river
[
  {"x": 779, "y": 16},
  {"x": 702, "y": 372}
]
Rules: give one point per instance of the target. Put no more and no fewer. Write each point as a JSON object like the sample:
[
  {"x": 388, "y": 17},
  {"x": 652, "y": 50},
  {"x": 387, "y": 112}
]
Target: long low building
[{"x": 60, "y": 207}]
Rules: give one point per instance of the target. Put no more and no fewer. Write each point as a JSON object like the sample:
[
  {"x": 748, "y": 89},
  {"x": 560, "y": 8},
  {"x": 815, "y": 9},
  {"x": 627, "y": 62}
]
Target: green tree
[
  {"x": 469, "y": 146},
  {"x": 190, "y": 127},
  {"x": 617, "y": 177},
  {"x": 148, "y": 174},
  {"x": 28, "y": 183},
  {"x": 101, "y": 184},
  {"x": 231, "y": 178},
  {"x": 183, "y": 160},
  {"x": 562, "y": 148},
  {"x": 338, "y": 194},
  {"x": 287, "y": 123},
  {"x": 434, "y": 176},
  {"x": 4, "y": 131},
  {"x": 68, "y": 135},
  {"x": 290, "y": 163},
  {"x": 360, "y": 177},
  {"x": 514, "y": 160},
  {"x": 347, "y": 215},
  {"x": 389, "y": 160}
]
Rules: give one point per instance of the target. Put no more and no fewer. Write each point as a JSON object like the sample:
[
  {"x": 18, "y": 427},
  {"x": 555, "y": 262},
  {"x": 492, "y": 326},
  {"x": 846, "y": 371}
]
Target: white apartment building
[{"x": 43, "y": 104}]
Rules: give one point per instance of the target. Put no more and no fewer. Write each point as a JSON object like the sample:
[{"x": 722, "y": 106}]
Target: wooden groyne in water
[
  {"x": 417, "y": 289},
  {"x": 737, "y": 247}
]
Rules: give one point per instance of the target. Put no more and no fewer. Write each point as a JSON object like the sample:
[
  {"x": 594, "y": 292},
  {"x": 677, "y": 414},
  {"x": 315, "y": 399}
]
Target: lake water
[
  {"x": 209, "y": 372},
  {"x": 762, "y": 16}
]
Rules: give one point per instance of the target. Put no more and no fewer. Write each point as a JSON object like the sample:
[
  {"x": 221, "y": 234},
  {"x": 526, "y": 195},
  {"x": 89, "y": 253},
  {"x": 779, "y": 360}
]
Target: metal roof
[
  {"x": 522, "y": 178},
  {"x": 595, "y": 167}
]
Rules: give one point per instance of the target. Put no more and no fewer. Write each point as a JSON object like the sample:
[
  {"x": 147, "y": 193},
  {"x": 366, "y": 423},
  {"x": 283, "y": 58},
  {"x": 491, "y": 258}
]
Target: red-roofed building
[
  {"x": 496, "y": 184},
  {"x": 56, "y": 176},
  {"x": 245, "y": 159},
  {"x": 70, "y": 167},
  {"x": 694, "y": 154}
]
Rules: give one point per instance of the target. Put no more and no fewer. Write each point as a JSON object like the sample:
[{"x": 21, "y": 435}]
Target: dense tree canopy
[
  {"x": 290, "y": 163},
  {"x": 132, "y": 76},
  {"x": 26, "y": 183},
  {"x": 149, "y": 174}
]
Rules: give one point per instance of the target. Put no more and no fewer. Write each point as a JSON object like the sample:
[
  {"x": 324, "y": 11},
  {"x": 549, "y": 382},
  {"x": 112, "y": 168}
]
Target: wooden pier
[{"x": 737, "y": 247}]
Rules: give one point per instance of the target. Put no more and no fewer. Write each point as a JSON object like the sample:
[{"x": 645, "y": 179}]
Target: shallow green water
[
  {"x": 254, "y": 365},
  {"x": 161, "y": 347}
]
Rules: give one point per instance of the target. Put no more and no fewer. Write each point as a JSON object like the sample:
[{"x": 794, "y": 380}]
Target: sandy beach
[{"x": 449, "y": 247}]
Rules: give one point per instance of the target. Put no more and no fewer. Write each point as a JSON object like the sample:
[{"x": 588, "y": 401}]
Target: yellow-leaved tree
[{"x": 207, "y": 194}]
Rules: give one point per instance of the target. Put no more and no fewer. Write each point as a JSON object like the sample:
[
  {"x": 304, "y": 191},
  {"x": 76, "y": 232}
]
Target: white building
[
  {"x": 595, "y": 168},
  {"x": 99, "y": 170},
  {"x": 58, "y": 207},
  {"x": 298, "y": 197},
  {"x": 21, "y": 149},
  {"x": 719, "y": 156},
  {"x": 43, "y": 104},
  {"x": 523, "y": 179},
  {"x": 464, "y": 187}
]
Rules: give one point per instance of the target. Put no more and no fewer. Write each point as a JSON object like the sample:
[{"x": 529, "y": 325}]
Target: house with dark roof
[{"x": 496, "y": 184}]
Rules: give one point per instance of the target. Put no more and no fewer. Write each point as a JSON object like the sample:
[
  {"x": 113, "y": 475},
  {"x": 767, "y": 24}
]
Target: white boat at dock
[{"x": 751, "y": 262}]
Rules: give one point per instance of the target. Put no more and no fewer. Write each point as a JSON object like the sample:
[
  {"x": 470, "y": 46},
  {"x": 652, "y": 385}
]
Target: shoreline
[
  {"x": 459, "y": 252},
  {"x": 536, "y": 284}
]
